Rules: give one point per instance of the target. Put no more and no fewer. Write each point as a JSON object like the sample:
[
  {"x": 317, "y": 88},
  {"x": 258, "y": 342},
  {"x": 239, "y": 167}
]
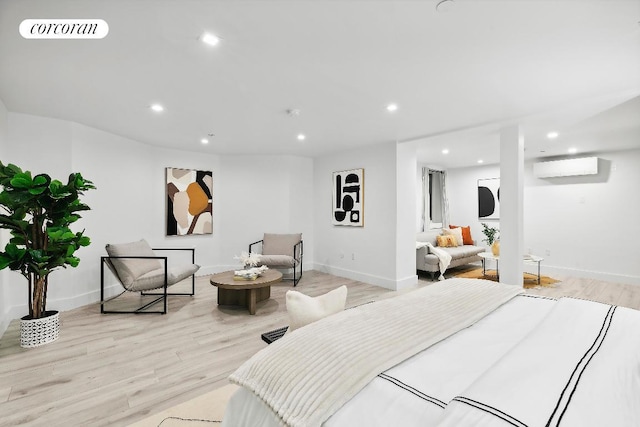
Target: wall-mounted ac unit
[{"x": 568, "y": 167}]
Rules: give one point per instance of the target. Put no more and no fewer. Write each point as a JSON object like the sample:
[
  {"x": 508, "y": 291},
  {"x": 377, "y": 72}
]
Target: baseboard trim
[
  {"x": 550, "y": 270},
  {"x": 383, "y": 282}
]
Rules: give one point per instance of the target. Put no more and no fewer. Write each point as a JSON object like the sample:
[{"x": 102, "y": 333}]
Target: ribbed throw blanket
[{"x": 309, "y": 374}]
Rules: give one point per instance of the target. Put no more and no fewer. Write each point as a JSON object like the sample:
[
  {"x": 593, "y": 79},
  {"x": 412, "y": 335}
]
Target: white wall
[
  {"x": 575, "y": 222},
  {"x": 4, "y": 305},
  {"x": 374, "y": 245},
  {"x": 406, "y": 188},
  {"x": 588, "y": 224},
  {"x": 264, "y": 194},
  {"x": 462, "y": 189},
  {"x": 4, "y": 127},
  {"x": 252, "y": 195}
]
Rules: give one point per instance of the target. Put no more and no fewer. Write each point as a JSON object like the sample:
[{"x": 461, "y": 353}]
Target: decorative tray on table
[{"x": 249, "y": 273}]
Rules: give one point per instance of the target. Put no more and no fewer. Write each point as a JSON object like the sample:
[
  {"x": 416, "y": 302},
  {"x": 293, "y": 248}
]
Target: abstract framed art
[
  {"x": 348, "y": 198},
  {"x": 489, "y": 198},
  {"x": 189, "y": 195}
]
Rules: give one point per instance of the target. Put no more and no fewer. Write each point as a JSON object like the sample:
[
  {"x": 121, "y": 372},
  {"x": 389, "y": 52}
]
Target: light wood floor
[{"x": 116, "y": 369}]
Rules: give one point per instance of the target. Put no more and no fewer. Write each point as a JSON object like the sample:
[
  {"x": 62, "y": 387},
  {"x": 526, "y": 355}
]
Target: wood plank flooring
[{"x": 116, "y": 369}]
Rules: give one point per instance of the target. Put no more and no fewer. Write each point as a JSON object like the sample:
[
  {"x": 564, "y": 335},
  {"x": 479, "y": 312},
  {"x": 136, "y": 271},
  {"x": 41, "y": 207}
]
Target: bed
[{"x": 462, "y": 352}]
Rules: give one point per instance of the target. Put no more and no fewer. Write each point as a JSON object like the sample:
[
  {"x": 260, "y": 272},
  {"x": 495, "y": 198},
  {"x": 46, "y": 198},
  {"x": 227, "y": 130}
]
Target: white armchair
[
  {"x": 281, "y": 251},
  {"x": 139, "y": 269}
]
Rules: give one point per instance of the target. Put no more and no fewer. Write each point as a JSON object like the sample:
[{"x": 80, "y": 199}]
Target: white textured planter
[{"x": 37, "y": 332}]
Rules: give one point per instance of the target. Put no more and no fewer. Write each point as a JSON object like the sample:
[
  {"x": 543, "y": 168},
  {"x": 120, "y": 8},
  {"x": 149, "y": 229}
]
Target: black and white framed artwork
[
  {"x": 348, "y": 198},
  {"x": 489, "y": 198}
]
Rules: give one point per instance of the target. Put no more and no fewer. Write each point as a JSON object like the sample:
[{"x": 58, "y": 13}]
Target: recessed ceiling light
[
  {"x": 480, "y": 161},
  {"x": 552, "y": 135},
  {"x": 204, "y": 141},
  {"x": 392, "y": 107},
  {"x": 210, "y": 39},
  {"x": 157, "y": 108},
  {"x": 572, "y": 150},
  {"x": 301, "y": 137},
  {"x": 445, "y": 151}
]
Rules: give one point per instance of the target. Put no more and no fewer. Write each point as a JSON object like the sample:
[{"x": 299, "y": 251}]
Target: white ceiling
[{"x": 457, "y": 76}]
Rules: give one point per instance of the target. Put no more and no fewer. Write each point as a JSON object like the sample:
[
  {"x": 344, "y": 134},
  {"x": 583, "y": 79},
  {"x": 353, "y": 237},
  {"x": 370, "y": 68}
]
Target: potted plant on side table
[
  {"x": 38, "y": 212},
  {"x": 492, "y": 238}
]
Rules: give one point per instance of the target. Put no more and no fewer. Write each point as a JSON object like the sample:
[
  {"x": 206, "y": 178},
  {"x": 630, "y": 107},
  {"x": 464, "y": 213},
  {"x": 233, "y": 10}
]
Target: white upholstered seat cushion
[
  {"x": 277, "y": 260},
  {"x": 155, "y": 279}
]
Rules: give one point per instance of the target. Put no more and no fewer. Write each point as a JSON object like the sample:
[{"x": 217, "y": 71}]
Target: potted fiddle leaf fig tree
[{"x": 38, "y": 212}]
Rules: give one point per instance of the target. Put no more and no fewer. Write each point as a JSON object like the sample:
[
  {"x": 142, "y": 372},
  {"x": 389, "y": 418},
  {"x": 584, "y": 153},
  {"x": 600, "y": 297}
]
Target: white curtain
[
  {"x": 434, "y": 197},
  {"x": 445, "y": 199},
  {"x": 425, "y": 200}
]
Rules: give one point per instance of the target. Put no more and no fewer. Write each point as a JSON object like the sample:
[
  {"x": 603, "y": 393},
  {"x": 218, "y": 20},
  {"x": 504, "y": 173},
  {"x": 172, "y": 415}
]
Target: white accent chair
[
  {"x": 281, "y": 251},
  {"x": 139, "y": 269}
]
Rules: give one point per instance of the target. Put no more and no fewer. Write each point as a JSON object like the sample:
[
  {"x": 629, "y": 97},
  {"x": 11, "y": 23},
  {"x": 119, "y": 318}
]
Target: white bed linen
[
  {"x": 414, "y": 392},
  {"x": 580, "y": 367},
  {"x": 300, "y": 376}
]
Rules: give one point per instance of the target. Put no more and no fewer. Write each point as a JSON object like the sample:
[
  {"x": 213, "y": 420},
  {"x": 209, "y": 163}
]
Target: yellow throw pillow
[
  {"x": 457, "y": 232},
  {"x": 446, "y": 241}
]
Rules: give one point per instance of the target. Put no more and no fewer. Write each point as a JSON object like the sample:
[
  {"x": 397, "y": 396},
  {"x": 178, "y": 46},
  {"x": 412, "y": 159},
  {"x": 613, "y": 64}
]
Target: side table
[{"x": 527, "y": 259}]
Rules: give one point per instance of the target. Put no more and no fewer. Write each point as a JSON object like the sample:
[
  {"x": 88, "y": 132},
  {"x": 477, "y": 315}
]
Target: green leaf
[
  {"x": 84, "y": 241},
  {"x": 37, "y": 190},
  {"x": 4, "y": 261},
  {"x": 41, "y": 179},
  {"x": 22, "y": 180},
  {"x": 72, "y": 261},
  {"x": 14, "y": 251}
]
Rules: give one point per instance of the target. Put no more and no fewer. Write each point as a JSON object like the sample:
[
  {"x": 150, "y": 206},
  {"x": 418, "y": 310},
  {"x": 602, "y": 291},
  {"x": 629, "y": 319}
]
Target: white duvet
[
  {"x": 579, "y": 367},
  {"x": 532, "y": 362}
]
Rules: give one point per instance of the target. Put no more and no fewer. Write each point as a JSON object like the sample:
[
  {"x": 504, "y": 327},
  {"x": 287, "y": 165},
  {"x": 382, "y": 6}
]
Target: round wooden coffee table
[{"x": 244, "y": 293}]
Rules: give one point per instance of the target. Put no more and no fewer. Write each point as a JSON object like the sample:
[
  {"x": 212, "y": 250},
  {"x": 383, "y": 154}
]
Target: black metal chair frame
[
  {"x": 298, "y": 249},
  {"x": 161, "y": 296}
]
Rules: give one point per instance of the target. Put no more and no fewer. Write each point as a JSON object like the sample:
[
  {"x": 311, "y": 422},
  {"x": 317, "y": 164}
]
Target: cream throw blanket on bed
[{"x": 309, "y": 374}]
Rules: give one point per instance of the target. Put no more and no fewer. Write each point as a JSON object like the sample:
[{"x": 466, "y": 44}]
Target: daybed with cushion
[
  {"x": 461, "y": 352},
  {"x": 427, "y": 261}
]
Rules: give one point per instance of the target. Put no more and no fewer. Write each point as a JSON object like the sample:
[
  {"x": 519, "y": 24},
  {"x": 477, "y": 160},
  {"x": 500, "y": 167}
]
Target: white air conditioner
[{"x": 568, "y": 167}]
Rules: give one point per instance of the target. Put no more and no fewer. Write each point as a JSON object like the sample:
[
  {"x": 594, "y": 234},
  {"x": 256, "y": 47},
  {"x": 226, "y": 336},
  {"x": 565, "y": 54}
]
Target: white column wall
[
  {"x": 511, "y": 196},
  {"x": 406, "y": 205}
]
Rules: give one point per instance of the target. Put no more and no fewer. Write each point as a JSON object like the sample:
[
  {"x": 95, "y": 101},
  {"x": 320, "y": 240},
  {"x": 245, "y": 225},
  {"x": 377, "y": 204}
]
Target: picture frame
[
  {"x": 348, "y": 198},
  {"x": 189, "y": 201},
  {"x": 489, "y": 199}
]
